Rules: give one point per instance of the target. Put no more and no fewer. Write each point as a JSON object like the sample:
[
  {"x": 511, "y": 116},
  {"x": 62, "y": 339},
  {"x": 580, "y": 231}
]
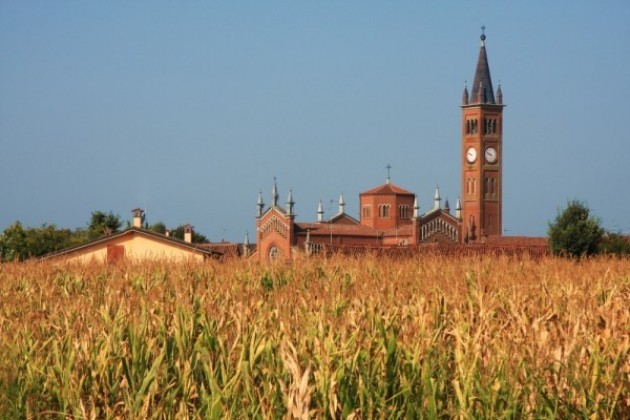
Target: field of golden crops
[{"x": 342, "y": 337}]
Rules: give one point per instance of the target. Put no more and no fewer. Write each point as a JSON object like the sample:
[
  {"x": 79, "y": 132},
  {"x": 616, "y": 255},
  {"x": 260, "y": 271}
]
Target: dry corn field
[{"x": 342, "y": 337}]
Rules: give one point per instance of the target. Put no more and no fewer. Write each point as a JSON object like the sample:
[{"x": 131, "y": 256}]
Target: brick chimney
[
  {"x": 138, "y": 217},
  {"x": 188, "y": 233}
]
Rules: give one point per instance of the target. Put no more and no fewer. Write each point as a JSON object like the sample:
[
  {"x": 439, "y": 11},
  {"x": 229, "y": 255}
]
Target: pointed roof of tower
[
  {"x": 290, "y": 202},
  {"x": 274, "y": 193},
  {"x": 320, "y": 212},
  {"x": 342, "y": 204},
  {"x": 465, "y": 97},
  {"x": 482, "y": 91},
  {"x": 416, "y": 208},
  {"x": 436, "y": 198}
]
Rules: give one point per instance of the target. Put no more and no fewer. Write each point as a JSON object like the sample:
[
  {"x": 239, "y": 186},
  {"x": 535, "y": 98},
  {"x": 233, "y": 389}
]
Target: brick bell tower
[{"x": 482, "y": 154}]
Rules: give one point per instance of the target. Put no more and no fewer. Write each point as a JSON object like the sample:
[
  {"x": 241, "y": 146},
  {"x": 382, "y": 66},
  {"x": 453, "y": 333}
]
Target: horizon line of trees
[{"x": 18, "y": 243}]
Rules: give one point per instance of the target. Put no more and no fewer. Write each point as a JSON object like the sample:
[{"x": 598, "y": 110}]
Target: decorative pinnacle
[
  {"x": 389, "y": 168},
  {"x": 274, "y": 193},
  {"x": 483, "y": 33}
]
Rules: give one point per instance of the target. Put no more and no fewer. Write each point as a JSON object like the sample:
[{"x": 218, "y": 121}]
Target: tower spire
[
  {"x": 416, "y": 208},
  {"x": 320, "y": 212},
  {"x": 499, "y": 94},
  {"x": 482, "y": 91},
  {"x": 436, "y": 198},
  {"x": 290, "y": 202},
  {"x": 274, "y": 193},
  {"x": 260, "y": 205},
  {"x": 342, "y": 204},
  {"x": 465, "y": 94}
]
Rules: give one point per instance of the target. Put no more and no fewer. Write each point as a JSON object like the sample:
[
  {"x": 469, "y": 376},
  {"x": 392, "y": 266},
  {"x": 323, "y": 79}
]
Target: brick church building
[{"x": 390, "y": 215}]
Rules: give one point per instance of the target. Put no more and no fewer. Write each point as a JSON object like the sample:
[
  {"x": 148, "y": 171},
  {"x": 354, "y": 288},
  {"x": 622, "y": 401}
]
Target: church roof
[
  {"x": 482, "y": 91},
  {"x": 319, "y": 229},
  {"x": 387, "y": 189}
]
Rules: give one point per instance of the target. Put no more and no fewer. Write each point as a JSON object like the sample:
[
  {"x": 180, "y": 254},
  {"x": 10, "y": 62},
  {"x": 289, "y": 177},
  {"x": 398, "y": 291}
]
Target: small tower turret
[
  {"x": 499, "y": 95},
  {"x": 260, "y": 205},
  {"x": 465, "y": 94},
  {"x": 416, "y": 208},
  {"x": 290, "y": 203},
  {"x": 436, "y": 198},
  {"x": 320, "y": 212},
  {"x": 447, "y": 206},
  {"x": 458, "y": 209},
  {"x": 342, "y": 204},
  {"x": 274, "y": 194}
]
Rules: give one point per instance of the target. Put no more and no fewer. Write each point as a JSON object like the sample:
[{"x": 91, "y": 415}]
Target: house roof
[
  {"x": 227, "y": 249},
  {"x": 387, "y": 189},
  {"x": 142, "y": 232}
]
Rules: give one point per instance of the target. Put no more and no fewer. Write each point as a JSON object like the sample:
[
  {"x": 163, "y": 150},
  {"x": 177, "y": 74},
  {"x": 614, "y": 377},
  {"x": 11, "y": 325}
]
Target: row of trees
[
  {"x": 18, "y": 242},
  {"x": 576, "y": 233}
]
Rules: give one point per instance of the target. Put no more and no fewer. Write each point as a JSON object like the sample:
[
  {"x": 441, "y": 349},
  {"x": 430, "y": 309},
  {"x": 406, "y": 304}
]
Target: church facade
[{"x": 389, "y": 216}]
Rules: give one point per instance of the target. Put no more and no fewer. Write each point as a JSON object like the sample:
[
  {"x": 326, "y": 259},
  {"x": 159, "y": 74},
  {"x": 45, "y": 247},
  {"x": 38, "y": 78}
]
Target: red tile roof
[
  {"x": 387, "y": 189},
  {"x": 228, "y": 249}
]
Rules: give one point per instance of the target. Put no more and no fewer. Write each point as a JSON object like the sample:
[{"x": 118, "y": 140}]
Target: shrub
[
  {"x": 614, "y": 244},
  {"x": 575, "y": 232}
]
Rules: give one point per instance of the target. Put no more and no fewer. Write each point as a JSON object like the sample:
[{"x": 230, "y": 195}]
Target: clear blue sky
[{"x": 188, "y": 109}]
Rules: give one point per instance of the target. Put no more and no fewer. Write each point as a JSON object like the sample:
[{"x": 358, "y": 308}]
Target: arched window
[
  {"x": 274, "y": 253},
  {"x": 404, "y": 212}
]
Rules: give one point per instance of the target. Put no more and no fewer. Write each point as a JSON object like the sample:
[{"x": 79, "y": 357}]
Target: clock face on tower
[
  {"x": 471, "y": 155},
  {"x": 491, "y": 155}
]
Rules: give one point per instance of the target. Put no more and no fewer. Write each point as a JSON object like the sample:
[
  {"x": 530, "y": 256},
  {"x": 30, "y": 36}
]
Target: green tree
[
  {"x": 575, "y": 232},
  {"x": 19, "y": 243},
  {"x": 101, "y": 222},
  {"x": 46, "y": 239},
  {"x": 158, "y": 227},
  {"x": 13, "y": 243},
  {"x": 614, "y": 244}
]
